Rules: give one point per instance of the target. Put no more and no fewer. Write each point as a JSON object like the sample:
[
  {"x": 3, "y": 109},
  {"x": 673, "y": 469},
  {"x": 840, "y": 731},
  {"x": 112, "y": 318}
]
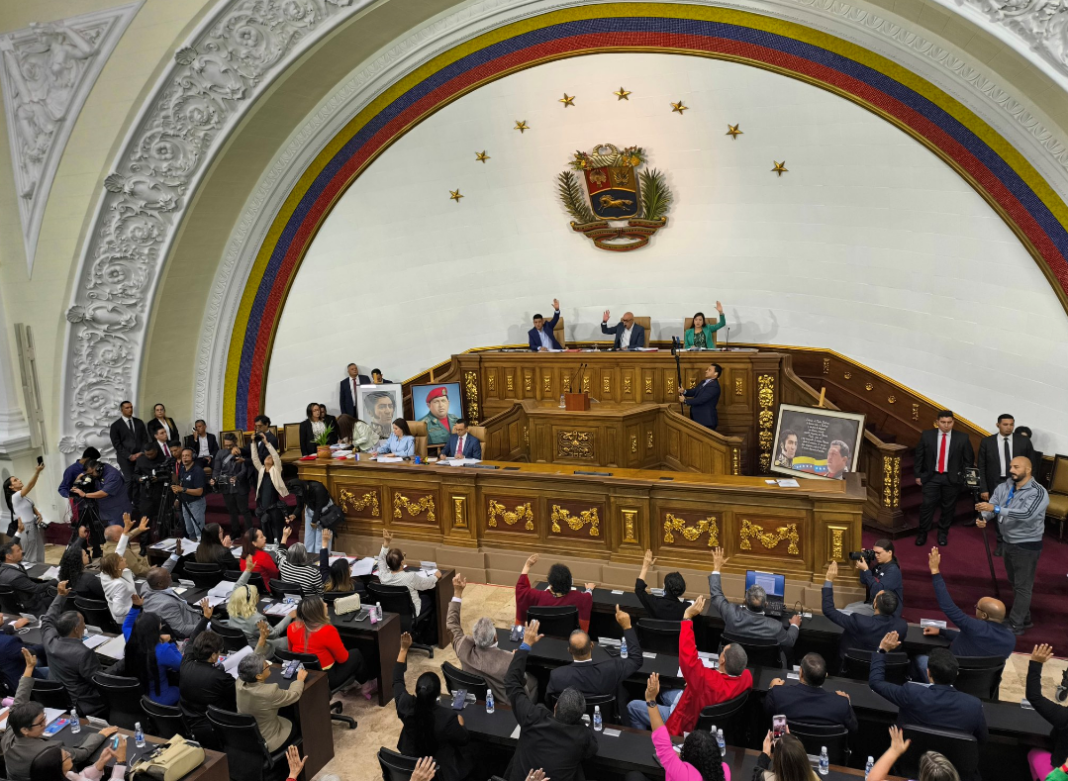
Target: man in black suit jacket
[
  {"x": 861, "y": 631},
  {"x": 941, "y": 458},
  {"x": 704, "y": 398},
  {"x": 601, "y": 677},
  {"x": 556, "y": 741},
  {"x": 540, "y": 337},
  {"x": 669, "y": 607},
  {"x": 939, "y": 705},
  {"x": 195, "y": 441},
  {"x": 808, "y": 701},
  {"x": 627, "y": 329},
  {"x": 128, "y": 437},
  {"x": 348, "y": 390}
]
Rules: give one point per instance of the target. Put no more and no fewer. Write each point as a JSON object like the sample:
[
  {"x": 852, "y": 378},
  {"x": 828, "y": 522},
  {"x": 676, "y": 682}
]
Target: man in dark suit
[
  {"x": 348, "y": 390},
  {"x": 69, "y": 661},
  {"x": 461, "y": 444},
  {"x": 556, "y": 741},
  {"x": 941, "y": 458},
  {"x": 669, "y": 607},
  {"x": 809, "y": 701},
  {"x": 203, "y": 443},
  {"x": 862, "y": 632},
  {"x": 1037, "y": 461},
  {"x": 541, "y": 335},
  {"x": 330, "y": 421},
  {"x": 628, "y": 333},
  {"x": 748, "y": 620},
  {"x": 128, "y": 437},
  {"x": 939, "y": 705},
  {"x": 704, "y": 398},
  {"x": 601, "y": 677}
]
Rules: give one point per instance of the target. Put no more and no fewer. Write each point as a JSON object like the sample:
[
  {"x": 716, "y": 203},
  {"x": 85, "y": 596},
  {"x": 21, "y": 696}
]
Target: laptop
[{"x": 775, "y": 586}]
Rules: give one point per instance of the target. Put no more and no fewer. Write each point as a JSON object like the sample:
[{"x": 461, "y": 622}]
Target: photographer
[
  {"x": 110, "y": 494},
  {"x": 189, "y": 492},
  {"x": 76, "y": 470},
  {"x": 229, "y": 478},
  {"x": 154, "y": 472},
  {"x": 879, "y": 571}
]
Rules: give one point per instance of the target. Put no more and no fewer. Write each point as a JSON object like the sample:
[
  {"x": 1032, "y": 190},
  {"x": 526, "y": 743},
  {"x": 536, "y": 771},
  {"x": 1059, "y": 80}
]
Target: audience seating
[
  {"x": 255, "y": 579},
  {"x": 280, "y": 588},
  {"x": 245, "y": 750},
  {"x": 857, "y": 665},
  {"x": 97, "y": 613},
  {"x": 123, "y": 698},
  {"x": 980, "y": 676},
  {"x": 556, "y": 620},
  {"x": 659, "y": 635},
  {"x": 396, "y": 599},
  {"x": 10, "y": 602},
  {"x": 960, "y": 748},
  {"x": 815, "y": 736},
  {"x": 233, "y": 639},
  {"x": 166, "y": 720},
  {"x": 727, "y": 717},
  {"x": 395, "y": 767},
  {"x": 1058, "y": 495},
  {"x": 51, "y": 694},
  {"x": 763, "y": 653},
  {"x": 203, "y": 575},
  {"x": 606, "y": 702},
  {"x": 455, "y": 678},
  {"x": 311, "y": 662}
]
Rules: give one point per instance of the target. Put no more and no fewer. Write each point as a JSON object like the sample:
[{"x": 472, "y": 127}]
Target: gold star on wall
[
  {"x": 622, "y": 94},
  {"x": 481, "y": 156},
  {"x": 679, "y": 107},
  {"x": 733, "y": 131},
  {"x": 455, "y": 195},
  {"x": 780, "y": 168},
  {"x": 521, "y": 125},
  {"x": 567, "y": 100}
]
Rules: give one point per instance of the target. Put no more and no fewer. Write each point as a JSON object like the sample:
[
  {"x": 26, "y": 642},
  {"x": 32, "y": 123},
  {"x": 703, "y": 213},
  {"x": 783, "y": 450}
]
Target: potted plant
[{"x": 322, "y": 443}]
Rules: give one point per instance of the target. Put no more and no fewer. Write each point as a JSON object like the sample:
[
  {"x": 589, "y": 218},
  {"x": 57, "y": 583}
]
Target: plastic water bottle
[
  {"x": 378, "y": 610},
  {"x": 868, "y": 767},
  {"x": 139, "y": 735},
  {"x": 825, "y": 762},
  {"x": 562, "y": 405},
  {"x": 489, "y": 701},
  {"x": 722, "y": 743},
  {"x": 597, "y": 724},
  {"x": 373, "y": 615},
  {"x": 712, "y": 729},
  {"x": 623, "y": 649},
  {"x": 75, "y": 725}
]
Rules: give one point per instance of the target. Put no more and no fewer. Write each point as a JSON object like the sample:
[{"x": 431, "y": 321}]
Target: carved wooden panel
[
  {"x": 769, "y": 535},
  {"x": 357, "y": 502},
  {"x": 511, "y": 514},
  {"x": 689, "y": 529},
  {"x": 416, "y": 507},
  {"x": 576, "y": 444},
  {"x": 579, "y": 519}
]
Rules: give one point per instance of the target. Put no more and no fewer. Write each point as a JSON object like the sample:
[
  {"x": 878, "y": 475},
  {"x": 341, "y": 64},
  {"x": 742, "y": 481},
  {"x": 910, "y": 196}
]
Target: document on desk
[
  {"x": 231, "y": 661},
  {"x": 515, "y": 732},
  {"x": 92, "y": 641},
  {"x": 278, "y": 609},
  {"x": 363, "y": 566},
  {"x": 52, "y": 573},
  {"x": 788, "y": 482},
  {"x": 933, "y": 622},
  {"x": 114, "y": 648},
  {"x": 390, "y": 459},
  {"x": 224, "y": 588},
  {"x": 462, "y": 461}
]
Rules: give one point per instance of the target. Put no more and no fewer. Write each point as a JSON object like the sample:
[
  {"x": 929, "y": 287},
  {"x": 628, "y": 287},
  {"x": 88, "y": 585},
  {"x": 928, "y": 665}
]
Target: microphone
[
  {"x": 728, "y": 345},
  {"x": 571, "y": 379}
]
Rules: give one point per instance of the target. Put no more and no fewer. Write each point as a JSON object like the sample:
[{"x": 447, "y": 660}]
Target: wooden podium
[{"x": 576, "y": 402}]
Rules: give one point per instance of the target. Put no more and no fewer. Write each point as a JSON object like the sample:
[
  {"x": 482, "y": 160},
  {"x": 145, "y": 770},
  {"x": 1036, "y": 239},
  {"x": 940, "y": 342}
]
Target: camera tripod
[{"x": 89, "y": 517}]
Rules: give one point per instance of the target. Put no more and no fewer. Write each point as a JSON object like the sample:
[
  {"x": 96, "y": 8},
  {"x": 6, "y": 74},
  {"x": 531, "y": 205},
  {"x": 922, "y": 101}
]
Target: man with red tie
[{"x": 941, "y": 458}]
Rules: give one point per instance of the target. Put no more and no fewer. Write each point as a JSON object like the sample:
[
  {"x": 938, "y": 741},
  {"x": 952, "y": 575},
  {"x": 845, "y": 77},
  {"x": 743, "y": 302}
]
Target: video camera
[
  {"x": 162, "y": 473},
  {"x": 85, "y": 482},
  {"x": 867, "y": 554}
]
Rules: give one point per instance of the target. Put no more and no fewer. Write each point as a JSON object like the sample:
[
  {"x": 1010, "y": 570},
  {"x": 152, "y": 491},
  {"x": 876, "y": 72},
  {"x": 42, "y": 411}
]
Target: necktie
[
  {"x": 942, "y": 455},
  {"x": 129, "y": 423},
  {"x": 1008, "y": 456},
  {"x": 166, "y": 451},
  {"x": 460, "y": 447}
]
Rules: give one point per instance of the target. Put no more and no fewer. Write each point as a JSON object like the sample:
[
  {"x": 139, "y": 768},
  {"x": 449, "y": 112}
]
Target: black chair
[
  {"x": 960, "y": 748},
  {"x": 97, "y": 613},
  {"x": 727, "y": 717},
  {"x": 281, "y": 589},
  {"x": 396, "y": 599},
  {"x": 606, "y": 702},
  {"x": 10, "y": 601},
  {"x": 857, "y": 665},
  {"x": 246, "y": 752},
  {"x": 166, "y": 720},
  {"x": 395, "y": 767},
  {"x": 761, "y": 652},
  {"x": 556, "y": 620},
  {"x": 815, "y": 736},
  {"x": 311, "y": 662},
  {"x": 255, "y": 579},
  {"x": 455, "y": 678},
  {"x": 980, "y": 676},
  {"x": 203, "y": 575},
  {"x": 51, "y": 694},
  {"x": 123, "y": 698},
  {"x": 233, "y": 639},
  {"x": 659, "y": 635}
]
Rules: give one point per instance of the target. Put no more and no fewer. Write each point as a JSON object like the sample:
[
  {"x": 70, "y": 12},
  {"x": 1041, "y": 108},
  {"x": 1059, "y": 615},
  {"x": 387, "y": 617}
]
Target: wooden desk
[
  {"x": 214, "y": 768},
  {"x": 311, "y": 717}
]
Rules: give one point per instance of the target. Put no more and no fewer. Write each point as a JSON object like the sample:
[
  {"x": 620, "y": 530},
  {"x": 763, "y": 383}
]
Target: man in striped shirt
[{"x": 1019, "y": 506}]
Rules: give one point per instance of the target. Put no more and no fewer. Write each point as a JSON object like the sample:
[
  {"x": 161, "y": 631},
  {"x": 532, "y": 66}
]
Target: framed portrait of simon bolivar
[
  {"x": 817, "y": 443},
  {"x": 379, "y": 406}
]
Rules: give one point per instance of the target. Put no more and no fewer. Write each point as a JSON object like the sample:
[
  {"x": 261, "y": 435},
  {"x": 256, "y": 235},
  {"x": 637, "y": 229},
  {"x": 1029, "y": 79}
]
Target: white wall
[{"x": 870, "y": 245}]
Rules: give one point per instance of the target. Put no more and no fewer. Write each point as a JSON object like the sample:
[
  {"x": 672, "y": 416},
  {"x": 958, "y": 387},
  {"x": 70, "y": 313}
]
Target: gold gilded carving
[
  {"x": 630, "y": 518},
  {"x": 738, "y": 389},
  {"x": 522, "y": 512},
  {"x": 848, "y": 375},
  {"x": 547, "y": 383},
  {"x": 526, "y": 436},
  {"x": 606, "y": 384},
  {"x": 674, "y": 524},
  {"x": 826, "y": 365},
  {"x": 648, "y": 440},
  {"x": 633, "y": 443},
  {"x": 837, "y": 544},
  {"x": 736, "y": 461},
  {"x": 528, "y": 381},
  {"x": 868, "y": 386},
  {"x": 891, "y": 481},
  {"x": 693, "y": 383},
  {"x": 648, "y": 386},
  {"x": 892, "y": 399},
  {"x": 491, "y": 382},
  {"x": 670, "y": 387},
  {"x": 426, "y": 504},
  {"x": 574, "y": 444},
  {"x": 369, "y": 499},
  {"x": 509, "y": 382},
  {"x": 585, "y": 383},
  {"x": 575, "y": 523},
  {"x": 459, "y": 512},
  {"x": 915, "y": 411},
  {"x": 471, "y": 389},
  {"x": 769, "y": 540},
  {"x": 765, "y": 418},
  {"x": 628, "y": 385}
]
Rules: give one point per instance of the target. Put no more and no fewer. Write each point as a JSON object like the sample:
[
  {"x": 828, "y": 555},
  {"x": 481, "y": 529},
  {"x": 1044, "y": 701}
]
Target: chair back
[
  {"x": 727, "y": 717},
  {"x": 558, "y": 332},
  {"x": 419, "y": 434},
  {"x": 815, "y": 736},
  {"x": 310, "y": 661},
  {"x": 455, "y": 678},
  {"x": 394, "y": 599},
  {"x": 255, "y": 579},
  {"x": 292, "y": 438},
  {"x": 166, "y": 720},
  {"x": 960, "y": 748},
  {"x": 203, "y": 575},
  {"x": 555, "y": 620},
  {"x": 980, "y": 676},
  {"x": 478, "y": 432},
  {"x": 761, "y": 652},
  {"x": 395, "y": 767},
  {"x": 606, "y": 702},
  {"x": 233, "y": 638},
  {"x": 240, "y": 738},
  {"x": 96, "y": 613},
  {"x": 1058, "y": 481},
  {"x": 857, "y": 665},
  {"x": 10, "y": 602},
  {"x": 647, "y": 324},
  {"x": 659, "y": 635},
  {"x": 238, "y": 435},
  {"x": 51, "y": 694},
  {"x": 279, "y": 588},
  {"x": 123, "y": 697}
]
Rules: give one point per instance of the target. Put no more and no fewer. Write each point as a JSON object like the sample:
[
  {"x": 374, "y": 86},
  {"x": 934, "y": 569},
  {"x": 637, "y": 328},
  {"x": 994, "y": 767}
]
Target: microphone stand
[
  {"x": 675, "y": 349},
  {"x": 971, "y": 479}
]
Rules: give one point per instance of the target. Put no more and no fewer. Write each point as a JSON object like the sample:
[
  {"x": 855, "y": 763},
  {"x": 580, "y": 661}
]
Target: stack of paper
[
  {"x": 52, "y": 573},
  {"x": 364, "y": 566},
  {"x": 390, "y": 459},
  {"x": 223, "y": 588},
  {"x": 231, "y": 661},
  {"x": 114, "y": 648},
  {"x": 92, "y": 641},
  {"x": 278, "y": 609}
]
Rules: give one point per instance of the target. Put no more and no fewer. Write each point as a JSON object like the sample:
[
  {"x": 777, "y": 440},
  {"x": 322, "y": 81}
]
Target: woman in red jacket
[
  {"x": 253, "y": 543},
  {"x": 312, "y": 633}
]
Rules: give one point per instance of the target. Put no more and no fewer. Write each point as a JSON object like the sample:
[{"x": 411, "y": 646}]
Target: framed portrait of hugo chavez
[
  {"x": 379, "y": 406},
  {"x": 438, "y": 405},
  {"x": 816, "y": 443}
]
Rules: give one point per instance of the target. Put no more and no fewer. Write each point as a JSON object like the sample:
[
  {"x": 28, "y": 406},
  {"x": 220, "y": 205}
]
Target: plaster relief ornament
[{"x": 619, "y": 208}]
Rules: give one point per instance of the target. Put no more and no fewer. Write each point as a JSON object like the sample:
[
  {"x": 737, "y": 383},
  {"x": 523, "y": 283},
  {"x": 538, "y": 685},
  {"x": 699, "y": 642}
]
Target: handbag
[
  {"x": 171, "y": 760},
  {"x": 348, "y": 604},
  {"x": 331, "y": 517}
]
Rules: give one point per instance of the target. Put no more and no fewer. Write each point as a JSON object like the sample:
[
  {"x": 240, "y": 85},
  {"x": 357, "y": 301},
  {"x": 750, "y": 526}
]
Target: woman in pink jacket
[{"x": 699, "y": 759}]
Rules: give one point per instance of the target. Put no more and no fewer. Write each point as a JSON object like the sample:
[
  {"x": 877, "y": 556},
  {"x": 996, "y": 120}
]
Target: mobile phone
[
  {"x": 115, "y": 742},
  {"x": 778, "y": 726},
  {"x": 459, "y": 698},
  {"x": 40, "y": 460},
  {"x": 517, "y": 634}
]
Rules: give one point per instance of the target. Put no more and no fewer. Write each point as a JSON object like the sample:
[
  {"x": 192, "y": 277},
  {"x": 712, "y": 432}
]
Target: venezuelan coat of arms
[{"x": 613, "y": 204}]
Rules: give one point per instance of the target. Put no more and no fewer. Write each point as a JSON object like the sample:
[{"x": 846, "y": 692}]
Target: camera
[
  {"x": 864, "y": 553},
  {"x": 1062, "y": 689}
]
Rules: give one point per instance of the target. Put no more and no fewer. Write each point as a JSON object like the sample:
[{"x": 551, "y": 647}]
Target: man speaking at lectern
[{"x": 704, "y": 398}]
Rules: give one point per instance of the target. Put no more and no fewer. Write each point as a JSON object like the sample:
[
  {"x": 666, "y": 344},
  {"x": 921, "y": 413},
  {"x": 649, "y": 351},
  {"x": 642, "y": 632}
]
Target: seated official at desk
[
  {"x": 298, "y": 567},
  {"x": 1043, "y": 762},
  {"x": 939, "y": 705},
  {"x": 748, "y": 620},
  {"x": 808, "y": 701},
  {"x": 150, "y": 654},
  {"x": 400, "y": 442},
  {"x": 541, "y": 335},
  {"x": 461, "y": 444},
  {"x": 159, "y": 598},
  {"x": 629, "y": 334},
  {"x": 33, "y": 594},
  {"x": 72, "y": 566},
  {"x": 243, "y": 610},
  {"x": 392, "y": 572},
  {"x": 312, "y": 633},
  {"x": 702, "y": 334},
  {"x": 202, "y": 683},
  {"x": 884, "y": 575},
  {"x": 703, "y": 399},
  {"x": 262, "y": 700},
  {"x": 117, "y": 539},
  {"x": 559, "y": 593},
  {"x": 669, "y": 607},
  {"x": 862, "y": 632},
  {"x": 69, "y": 661},
  {"x": 57, "y": 764}
]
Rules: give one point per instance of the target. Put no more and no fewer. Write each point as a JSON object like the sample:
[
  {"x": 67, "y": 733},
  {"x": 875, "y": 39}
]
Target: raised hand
[
  {"x": 387, "y": 538},
  {"x": 459, "y": 583},
  {"x": 178, "y": 547},
  {"x": 533, "y": 775},
  {"x": 405, "y": 641},
  {"x": 934, "y": 559},
  {"x": 832, "y": 571},
  {"x": 719, "y": 307},
  {"x": 141, "y": 527},
  {"x": 208, "y": 610},
  {"x": 127, "y": 523},
  {"x": 717, "y": 559},
  {"x": 556, "y": 304},
  {"x": 285, "y": 533},
  {"x": 63, "y": 588},
  {"x": 425, "y": 769},
  {"x": 136, "y": 599},
  {"x": 898, "y": 744},
  {"x": 652, "y": 687},
  {"x": 695, "y": 609},
  {"x": 648, "y": 560},
  {"x": 265, "y": 629},
  {"x": 606, "y": 315},
  {"x": 530, "y": 632},
  {"x": 622, "y": 618},
  {"x": 296, "y": 764},
  {"x": 250, "y": 563},
  {"x": 889, "y": 642},
  {"x": 1042, "y": 653},
  {"x": 30, "y": 660}
]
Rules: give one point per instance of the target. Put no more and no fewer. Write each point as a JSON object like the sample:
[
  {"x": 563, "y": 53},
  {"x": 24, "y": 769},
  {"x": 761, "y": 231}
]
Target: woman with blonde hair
[
  {"x": 118, "y": 582},
  {"x": 243, "y": 609}
]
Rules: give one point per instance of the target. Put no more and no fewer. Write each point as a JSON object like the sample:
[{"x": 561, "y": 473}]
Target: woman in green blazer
[{"x": 702, "y": 334}]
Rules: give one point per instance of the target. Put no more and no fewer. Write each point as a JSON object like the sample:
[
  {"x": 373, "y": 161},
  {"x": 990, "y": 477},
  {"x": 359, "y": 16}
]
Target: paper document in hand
[
  {"x": 363, "y": 566},
  {"x": 231, "y": 662},
  {"x": 223, "y": 588}
]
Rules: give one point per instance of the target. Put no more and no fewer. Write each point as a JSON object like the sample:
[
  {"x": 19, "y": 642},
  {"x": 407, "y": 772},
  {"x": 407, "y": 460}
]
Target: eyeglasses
[{"x": 37, "y": 723}]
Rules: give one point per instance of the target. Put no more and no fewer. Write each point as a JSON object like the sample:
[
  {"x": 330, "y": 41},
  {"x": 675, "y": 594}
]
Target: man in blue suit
[
  {"x": 628, "y": 333},
  {"x": 541, "y": 335},
  {"x": 938, "y": 706},
  {"x": 461, "y": 444},
  {"x": 348, "y": 390},
  {"x": 808, "y": 701},
  {"x": 704, "y": 398},
  {"x": 862, "y": 632}
]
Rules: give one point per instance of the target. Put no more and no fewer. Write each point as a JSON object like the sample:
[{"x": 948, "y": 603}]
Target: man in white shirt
[
  {"x": 203, "y": 444},
  {"x": 629, "y": 335},
  {"x": 348, "y": 390},
  {"x": 461, "y": 444}
]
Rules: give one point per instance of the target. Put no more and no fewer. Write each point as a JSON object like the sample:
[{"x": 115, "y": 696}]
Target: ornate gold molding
[
  {"x": 574, "y": 444},
  {"x": 649, "y": 386},
  {"x": 349, "y": 500},
  {"x": 915, "y": 411},
  {"x": 528, "y": 381},
  {"x": 826, "y": 365},
  {"x": 648, "y": 440},
  {"x": 628, "y": 383},
  {"x": 547, "y": 383},
  {"x": 673, "y": 524},
  {"x": 585, "y": 383},
  {"x": 769, "y": 540},
  {"x": 739, "y": 388},
  {"x": 491, "y": 381},
  {"x": 891, "y": 481},
  {"x": 606, "y": 384},
  {"x": 459, "y": 512},
  {"x": 837, "y": 543},
  {"x": 670, "y": 383},
  {"x": 509, "y": 381},
  {"x": 471, "y": 390},
  {"x": 765, "y": 418},
  {"x": 522, "y": 512},
  {"x": 576, "y": 523},
  {"x": 736, "y": 461},
  {"x": 630, "y": 524},
  {"x": 426, "y": 504}
]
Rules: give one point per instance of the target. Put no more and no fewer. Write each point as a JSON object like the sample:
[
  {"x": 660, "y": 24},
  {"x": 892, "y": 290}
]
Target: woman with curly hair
[
  {"x": 699, "y": 759},
  {"x": 72, "y": 569}
]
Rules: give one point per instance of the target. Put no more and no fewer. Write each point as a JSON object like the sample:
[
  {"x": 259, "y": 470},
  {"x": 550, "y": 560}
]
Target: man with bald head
[
  {"x": 1019, "y": 507},
  {"x": 629, "y": 334},
  {"x": 986, "y": 634}
]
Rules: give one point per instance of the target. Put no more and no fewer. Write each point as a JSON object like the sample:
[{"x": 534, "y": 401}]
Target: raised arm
[
  {"x": 945, "y": 601},
  {"x": 254, "y": 453},
  {"x": 1055, "y": 714},
  {"x": 689, "y": 661},
  {"x": 715, "y": 586},
  {"x": 877, "y": 674},
  {"x": 33, "y": 480},
  {"x": 829, "y": 610},
  {"x": 452, "y": 617}
]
